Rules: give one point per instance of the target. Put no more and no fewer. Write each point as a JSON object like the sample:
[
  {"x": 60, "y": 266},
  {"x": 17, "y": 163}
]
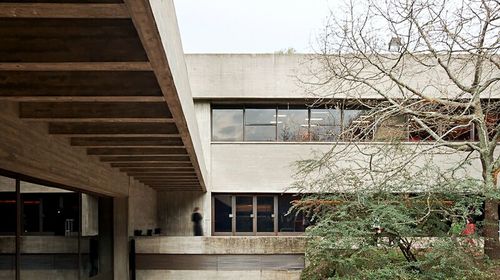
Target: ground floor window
[
  {"x": 256, "y": 214},
  {"x": 50, "y": 231}
]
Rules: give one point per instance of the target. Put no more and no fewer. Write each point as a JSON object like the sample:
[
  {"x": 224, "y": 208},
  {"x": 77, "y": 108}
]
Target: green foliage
[
  {"x": 391, "y": 225},
  {"x": 344, "y": 243}
]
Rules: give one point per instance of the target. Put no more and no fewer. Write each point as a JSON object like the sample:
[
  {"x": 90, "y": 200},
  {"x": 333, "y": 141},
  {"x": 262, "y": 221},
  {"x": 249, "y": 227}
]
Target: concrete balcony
[{"x": 231, "y": 257}]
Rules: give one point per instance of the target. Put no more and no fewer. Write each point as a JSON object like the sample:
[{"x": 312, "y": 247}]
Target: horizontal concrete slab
[
  {"x": 245, "y": 245},
  {"x": 217, "y": 275}
]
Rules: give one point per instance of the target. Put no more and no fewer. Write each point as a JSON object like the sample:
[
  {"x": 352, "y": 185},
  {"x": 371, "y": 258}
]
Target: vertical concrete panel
[
  {"x": 90, "y": 215},
  {"x": 142, "y": 207},
  {"x": 120, "y": 209},
  {"x": 203, "y": 116},
  {"x": 174, "y": 212}
]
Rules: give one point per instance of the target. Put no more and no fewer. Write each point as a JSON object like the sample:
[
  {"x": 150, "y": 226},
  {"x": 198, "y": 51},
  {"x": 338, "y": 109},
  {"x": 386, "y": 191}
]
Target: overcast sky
[{"x": 250, "y": 26}]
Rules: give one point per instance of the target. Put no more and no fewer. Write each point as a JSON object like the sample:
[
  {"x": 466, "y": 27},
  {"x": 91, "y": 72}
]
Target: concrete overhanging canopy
[{"x": 110, "y": 77}]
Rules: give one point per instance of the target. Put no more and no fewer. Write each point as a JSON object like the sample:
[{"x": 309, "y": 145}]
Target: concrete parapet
[{"x": 221, "y": 245}]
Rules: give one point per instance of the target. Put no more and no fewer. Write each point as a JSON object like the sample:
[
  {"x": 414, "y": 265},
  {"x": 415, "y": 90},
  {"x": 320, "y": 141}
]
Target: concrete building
[{"x": 110, "y": 136}]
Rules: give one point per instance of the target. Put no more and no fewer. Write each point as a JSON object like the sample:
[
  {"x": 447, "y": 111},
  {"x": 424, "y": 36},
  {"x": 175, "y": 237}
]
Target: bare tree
[{"x": 438, "y": 78}]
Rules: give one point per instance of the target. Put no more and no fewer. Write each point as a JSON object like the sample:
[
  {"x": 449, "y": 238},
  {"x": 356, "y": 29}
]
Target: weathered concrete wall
[
  {"x": 283, "y": 76},
  {"x": 221, "y": 245},
  {"x": 244, "y": 75},
  {"x": 142, "y": 207},
  {"x": 203, "y": 113},
  {"x": 252, "y": 247},
  {"x": 217, "y": 275},
  {"x": 270, "y": 167},
  {"x": 90, "y": 215},
  {"x": 8, "y": 185},
  {"x": 175, "y": 209}
]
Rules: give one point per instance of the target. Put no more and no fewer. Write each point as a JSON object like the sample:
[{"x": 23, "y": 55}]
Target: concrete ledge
[
  {"x": 221, "y": 245},
  {"x": 42, "y": 245},
  {"x": 217, "y": 275}
]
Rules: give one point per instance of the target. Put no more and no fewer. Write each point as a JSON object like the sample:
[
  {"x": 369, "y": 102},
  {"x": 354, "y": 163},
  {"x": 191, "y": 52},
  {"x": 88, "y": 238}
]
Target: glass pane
[
  {"x": 260, "y": 117},
  {"x": 49, "y": 222},
  {"x": 7, "y": 228},
  {"x": 260, "y": 133},
  {"x": 357, "y": 126},
  {"x": 223, "y": 212},
  {"x": 265, "y": 213},
  {"x": 244, "y": 213},
  {"x": 352, "y": 117},
  {"x": 325, "y": 124},
  {"x": 289, "y": 222},
  {"x": 227, "y": 124},
  {"x": 293, "y": 125},
  {"x": 392, "y": 129}
]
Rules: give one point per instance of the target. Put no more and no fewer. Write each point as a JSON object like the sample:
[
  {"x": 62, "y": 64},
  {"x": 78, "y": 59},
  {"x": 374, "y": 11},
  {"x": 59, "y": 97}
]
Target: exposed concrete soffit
[{"x": 156, "y": 24}]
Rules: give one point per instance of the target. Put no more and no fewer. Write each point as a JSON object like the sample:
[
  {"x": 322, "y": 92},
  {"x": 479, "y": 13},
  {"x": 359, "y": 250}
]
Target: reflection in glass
[
  {"x": 265, "y": 213},
  {"x": 293, "y": 125},
  {"x": 244, "y": 213},
  {"x": 227, "y": 124},
  {"x": 260, "y": 133},
  {"x": 260, "y": 116},
  {"x": 357, "y": 126},
  {"x": 260, "y": 124},
  {"x": 223, "y": 212},
  {"x": 351, "y": 117},
  {"x": 289, "y": 222},
  {"x": 7, "y": 228},
  {"x": 325, "y": 124},
  {"x": 50, "y": 225}
]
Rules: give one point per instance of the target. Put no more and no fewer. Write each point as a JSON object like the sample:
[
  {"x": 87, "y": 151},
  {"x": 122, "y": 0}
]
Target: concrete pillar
[{"x": 120, "y": 209}]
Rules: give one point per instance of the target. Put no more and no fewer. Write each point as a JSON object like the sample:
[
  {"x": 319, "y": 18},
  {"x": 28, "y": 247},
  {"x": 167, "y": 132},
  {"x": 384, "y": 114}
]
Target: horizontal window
[
  {"x": 281, "y": 123},
  {"x": 300, "y": 124},
  {"x": 261, "y": 214}
]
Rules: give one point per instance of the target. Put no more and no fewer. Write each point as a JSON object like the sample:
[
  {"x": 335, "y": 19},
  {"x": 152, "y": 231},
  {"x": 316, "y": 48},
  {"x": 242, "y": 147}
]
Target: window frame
[
  {"x": 254, "y": 231},
  {"x": 277, "y": 108},
  {"x": 259, "y": 107}
]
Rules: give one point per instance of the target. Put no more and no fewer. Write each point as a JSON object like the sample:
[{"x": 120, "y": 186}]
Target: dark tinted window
[
  {"x": 265, "y": 213},
  {"x": 8, "y": 206},
  {"x": 292, "y": 221},
  {"x": 244, "y": 213},
  {"x": 223, "y": 213}
]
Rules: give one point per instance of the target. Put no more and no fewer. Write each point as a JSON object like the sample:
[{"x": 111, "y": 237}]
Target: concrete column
[{"x": 120, "y": 209}]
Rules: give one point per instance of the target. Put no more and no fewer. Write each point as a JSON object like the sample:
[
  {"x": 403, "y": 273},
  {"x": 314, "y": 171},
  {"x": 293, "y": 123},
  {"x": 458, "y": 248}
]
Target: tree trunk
[{"x": 491, "y": 241}]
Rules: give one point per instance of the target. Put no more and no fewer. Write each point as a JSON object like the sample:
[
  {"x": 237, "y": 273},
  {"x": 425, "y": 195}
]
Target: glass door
[
  {"x": 265, "y": 214},
  {"x": 223, "y": 215},
  {"x": 244, "y": 212}
]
